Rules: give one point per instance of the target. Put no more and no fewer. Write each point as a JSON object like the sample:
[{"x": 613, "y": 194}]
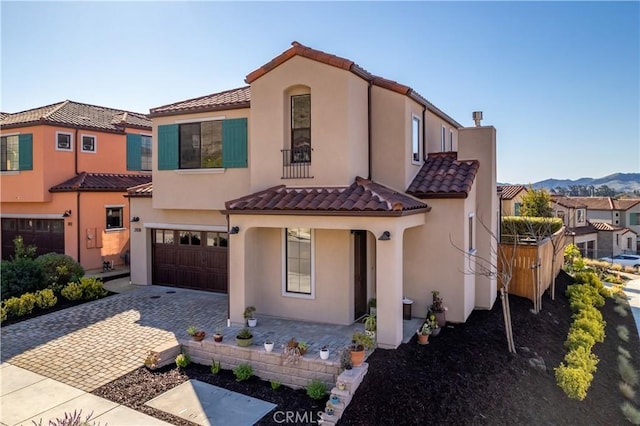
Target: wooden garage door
[
  {"x": 46, "y": 234},
  {"x": 190, "y": 259}
]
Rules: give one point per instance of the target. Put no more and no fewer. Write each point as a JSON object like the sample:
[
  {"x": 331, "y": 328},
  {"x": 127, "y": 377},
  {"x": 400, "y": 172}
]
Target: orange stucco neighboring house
[
  {"x": 315, "y": 188},
  {"x": 65, "y": 169}
]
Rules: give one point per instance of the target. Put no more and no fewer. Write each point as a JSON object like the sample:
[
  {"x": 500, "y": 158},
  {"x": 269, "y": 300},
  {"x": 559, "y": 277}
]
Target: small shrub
[
  {"x": 627, "y": 372},
  {"x": 215, "y": 366},
  {"x": 613, "y": 279},
  {"x": 573, "y": 381},
  {"x": 3, "y": 313},
  {"x": 625, "y": 353},
  {"x": 316, "y": 389},
  {"x": 182, "y": 360},
  {"x": 627, "y": 390},
  {"x": 593, "y": 327},
  {"x": 46, "y": 299},
  {"x": 92, "y": 288},
  {"x": 582, "y": 358},
  {"x": 630, "y": 412},
  {"x": 27, "y": 303},
  {"x": 152, "y": 359},
  {"x": 579, "y": 338},
  {"x": 623, "y": 332},
  {"x": 71, "y": 419},
  {"x": 72, "y": 291},
  {"x": 59, "y": 269},
  {"x": 243, "y": 372},
  {"x": 275, "y": 385}
]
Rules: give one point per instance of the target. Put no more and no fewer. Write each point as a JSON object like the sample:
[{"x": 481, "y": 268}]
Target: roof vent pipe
[{"x": 477, "y": 117}]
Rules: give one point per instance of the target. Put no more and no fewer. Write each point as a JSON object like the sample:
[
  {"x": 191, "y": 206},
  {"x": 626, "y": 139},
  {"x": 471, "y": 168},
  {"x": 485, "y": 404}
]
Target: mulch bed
[{"x": 463, "y": 376}]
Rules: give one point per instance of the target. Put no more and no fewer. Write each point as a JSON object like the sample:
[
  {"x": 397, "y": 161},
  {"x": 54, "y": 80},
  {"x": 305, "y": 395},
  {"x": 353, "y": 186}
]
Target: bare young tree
[{"x": 498, "y": 266}]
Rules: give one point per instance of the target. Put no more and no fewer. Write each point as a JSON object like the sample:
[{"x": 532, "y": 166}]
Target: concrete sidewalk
[{"x": 27, "y": 397}]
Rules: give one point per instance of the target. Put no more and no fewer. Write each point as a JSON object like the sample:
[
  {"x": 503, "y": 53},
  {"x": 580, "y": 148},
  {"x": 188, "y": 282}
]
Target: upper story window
[
  {"x": 301, "y": 128},
  {"x": 10, "y": 153},
  {"x": 443, "y": 139},
  {"x": 145, "y": 156},
  {"x": 580, "y": 215},
  {"x": 114, "y": 217},
  {"x": 89, "y": 143},
  {"x": 415, "y": 140},
  {"x": 201, "y": 145},
  {"x": 64, "y": 141},
  {"x": 634, "y": 218},
  {"x": 470, "y": 237},
  {"x": 450, "y": 139},
  {"x": 617, "y": 240}
]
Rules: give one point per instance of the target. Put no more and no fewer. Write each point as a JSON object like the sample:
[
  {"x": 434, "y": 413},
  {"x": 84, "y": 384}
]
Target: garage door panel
[{"x": 46, "y": 234}]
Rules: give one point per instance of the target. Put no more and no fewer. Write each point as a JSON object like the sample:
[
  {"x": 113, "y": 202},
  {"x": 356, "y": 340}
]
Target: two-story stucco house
[
  {"x": 315, "y": 188},
  {"x": 65, "y": 169}
]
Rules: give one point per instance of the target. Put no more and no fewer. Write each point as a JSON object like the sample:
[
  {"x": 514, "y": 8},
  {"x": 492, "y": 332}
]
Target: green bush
[
  {"x": 243, "y": 372},
  {"x": 45, "y": 298},
  {"x": 527, "y": 225},
  {"x": 579, "y": 338},
  {"x": 19, "y": 276},
  {"x": 573, "y": 381},
  {"x": 182, "y": 360},
  {"x": 275, "y": 384},
  {"x": 19, "y": 306},
  {"x": 593, "y": 327},
  {"x": 3, "y": 313},
  {"x": 72, "y": 291},
  {"x": 59, "y": 269},
  {"x": 582, "y": 358},
  {"x": 215, "y": 366},
  {"x": 92, "y": 288},
  {"x": 316, "y": 389}
]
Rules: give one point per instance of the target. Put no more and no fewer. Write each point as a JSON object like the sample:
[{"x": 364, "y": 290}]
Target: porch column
[
  {"x": 389, "y": 289},
  {"x": 236, "y": 288}
]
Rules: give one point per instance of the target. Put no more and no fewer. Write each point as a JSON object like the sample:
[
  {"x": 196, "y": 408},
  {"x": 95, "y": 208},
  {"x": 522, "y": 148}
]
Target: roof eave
[
  {"x": 226, "y": 107},
  {"x": 372, "y": 213},
  {"x": 436, "y": 195}
]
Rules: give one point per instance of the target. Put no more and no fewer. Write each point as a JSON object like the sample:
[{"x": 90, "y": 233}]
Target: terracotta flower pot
[
  {"x": 423, "y": 339},
  {"x": 199, "y": 336},
  {"x": 357, "y": 357}
]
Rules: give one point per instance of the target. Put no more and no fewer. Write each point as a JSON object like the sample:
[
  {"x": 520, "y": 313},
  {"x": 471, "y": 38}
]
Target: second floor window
[
  {"x": 146, "y": 153},
  {"x": 443, "y": 139},
  {"x": 301, "y": 128},
  {"x": 64, "y": 141},
  {"x": 10, "y": 153},
  {"x": 580, "y": 215},
  {"x": 88, "y": 143},
  {"x": 201, "y": 145},
  {"x": 415, "y": 140}
]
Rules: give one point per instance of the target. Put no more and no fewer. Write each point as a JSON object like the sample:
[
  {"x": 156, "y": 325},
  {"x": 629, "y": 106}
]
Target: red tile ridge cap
[{"x": 56, "y": 109}]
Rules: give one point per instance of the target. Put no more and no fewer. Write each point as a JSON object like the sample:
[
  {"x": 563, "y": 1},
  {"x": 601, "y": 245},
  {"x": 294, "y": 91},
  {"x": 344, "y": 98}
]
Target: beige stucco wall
[
  {"x": 434, "y": 134},
  {"x": 509, "y": 206},
  {"x": 338, "y": 124},
  {"x": 198, "y": 189}
]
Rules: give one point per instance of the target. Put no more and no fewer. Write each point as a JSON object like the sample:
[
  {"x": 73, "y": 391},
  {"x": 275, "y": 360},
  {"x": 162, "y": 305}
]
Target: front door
[{"x": 360, "y": 273}]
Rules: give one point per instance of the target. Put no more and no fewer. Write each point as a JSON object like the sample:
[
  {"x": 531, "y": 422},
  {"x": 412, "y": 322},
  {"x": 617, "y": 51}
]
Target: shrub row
[
  {"x": 86, "y": 289},
  {"x": 586, "y": 330},
  {"x": 535, "y": 226}
]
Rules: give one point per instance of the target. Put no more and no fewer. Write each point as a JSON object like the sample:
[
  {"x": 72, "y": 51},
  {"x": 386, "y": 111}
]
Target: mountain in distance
[{"x": 621, "y": 182}]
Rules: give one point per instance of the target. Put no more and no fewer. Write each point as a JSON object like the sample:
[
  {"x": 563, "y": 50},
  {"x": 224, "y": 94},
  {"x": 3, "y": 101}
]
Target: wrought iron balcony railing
[{"x": 296, "y": 163}]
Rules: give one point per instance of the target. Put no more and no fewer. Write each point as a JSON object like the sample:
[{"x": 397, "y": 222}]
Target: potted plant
[
  {"x": 303, "y": 347},
  {"x": 424, "y": 332},
  {"x": 324, "y": 353},
  {"x": 196, "y": 334},
  {"x": 248, "y": 315},
  {"x": 268, "y": 345},
  {"x": 372, "y": 306},
  {"x": 244, "y": 338},
  {"x": 435, "y": 328},
  {"x": 438, "y": 308},
  {"x": 218, "y": 335},
  {"x": 370, "y": 325},
  {"x": 360, "y": 341},
  {"x": 334, "y": 399}
]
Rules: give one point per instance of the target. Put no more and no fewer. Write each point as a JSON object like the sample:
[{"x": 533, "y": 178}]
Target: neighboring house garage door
[
  {"x": 190, "y": 259},
  {"x": 46, "y": 234}
]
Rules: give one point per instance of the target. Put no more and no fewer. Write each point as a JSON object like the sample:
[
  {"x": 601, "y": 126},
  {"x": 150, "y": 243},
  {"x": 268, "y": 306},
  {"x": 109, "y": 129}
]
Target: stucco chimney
[{"x": 477, "y": 117}]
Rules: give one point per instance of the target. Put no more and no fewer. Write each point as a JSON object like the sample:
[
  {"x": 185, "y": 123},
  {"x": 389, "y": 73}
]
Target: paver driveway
[{"x": 92, "y": 344}]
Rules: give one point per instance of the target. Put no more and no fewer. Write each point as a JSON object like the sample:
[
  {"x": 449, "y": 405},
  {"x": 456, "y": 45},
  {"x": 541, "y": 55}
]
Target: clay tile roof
[
  {"x": 604, "y": 226},
  {"x": 582, "y": 230},
  {"x": 76, "y": 114},
  {"x": 510, "y": 191},
  {"x": 229, "y": 99},
  {"x": 569, "y": 202},
  {"x": 144, "y": 190},
  {"x": 101, "y": 182},
  {"x": 364, "y": 197},
  {"x": 598, "y": 203},
  {"x": 298, "y": 49},
  {"x": 443, "y": 176},
  {"x": 625, "y": 203}
]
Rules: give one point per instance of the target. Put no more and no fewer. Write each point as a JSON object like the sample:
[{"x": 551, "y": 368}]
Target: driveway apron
[{"x": 89, "y": 345}]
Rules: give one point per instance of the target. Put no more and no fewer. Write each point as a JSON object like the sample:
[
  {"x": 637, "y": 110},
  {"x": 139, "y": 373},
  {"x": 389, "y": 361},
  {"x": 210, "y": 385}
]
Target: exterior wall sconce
[
  {"x": 234, "y": 230},
  {"x": 66, "y": 213},
  {"x": 135, "y": 219},
  {"x": 385, "y": 236}
]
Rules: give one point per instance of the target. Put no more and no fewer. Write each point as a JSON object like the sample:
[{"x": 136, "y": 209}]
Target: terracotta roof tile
[
  {"x": 362, "y": 197},
  {"x": 604, "y": 226},
  {"x": 510, "y": 191},
  {"x": 597, "y": 203},
  {"x": 76, "y": 114},
  {"x": 443, "y": 176},
  {"x": 569, "y": 202},
  {"x": 582, "y": 230},
  {"x": 144, "y": 190},
  {"x": 101, "y": 182},
  {"x": 229, "y": 99},
  {"x": 298, "y": 49}
]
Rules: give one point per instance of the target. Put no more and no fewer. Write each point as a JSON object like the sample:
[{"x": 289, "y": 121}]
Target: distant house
[
  {"x": 65, "y": 169},
  {"x": 313, "y": 189},
  {"x": 511, "y": 199}
]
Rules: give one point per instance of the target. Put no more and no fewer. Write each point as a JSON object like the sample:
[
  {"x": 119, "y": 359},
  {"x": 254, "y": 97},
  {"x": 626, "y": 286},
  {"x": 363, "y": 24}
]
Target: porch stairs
[{"x": 346, "y": 386}]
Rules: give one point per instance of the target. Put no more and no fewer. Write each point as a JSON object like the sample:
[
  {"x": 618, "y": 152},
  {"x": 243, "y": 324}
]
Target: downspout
[
  {"x": 369, "y": 128},
  {"x": 78, "y": 220},
  {"x": 75, "y": 157}
]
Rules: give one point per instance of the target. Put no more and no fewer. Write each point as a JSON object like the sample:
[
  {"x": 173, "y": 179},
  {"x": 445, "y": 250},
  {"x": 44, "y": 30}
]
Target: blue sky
[{"x": 559, "y": 80}]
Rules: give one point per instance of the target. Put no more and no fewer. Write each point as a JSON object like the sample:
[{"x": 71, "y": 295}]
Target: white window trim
[
  {"x": 443, "y": 138},
  {"x": 95, "y": 143},
  {"x": 450, "y": 139},
  {"x": 471, "y": 245},
  {"x": 415, "y": 118},
  {"x": 285, "y": 293},
  {"x": 71, "y": 142},
  {"x": 115, "y": 206},
  {"x": 200, "y": 120},
  {"x": 584, "y": 214}
]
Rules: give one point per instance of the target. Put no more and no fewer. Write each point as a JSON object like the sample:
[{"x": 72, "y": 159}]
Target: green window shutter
[
  {"x": 168, "y": 147},
  {"x": 134, "y": 152},
  {"x": 234, "y": 143},
  {"x": 25, "y": 152},
  {"x": 634, "y": 218}
]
